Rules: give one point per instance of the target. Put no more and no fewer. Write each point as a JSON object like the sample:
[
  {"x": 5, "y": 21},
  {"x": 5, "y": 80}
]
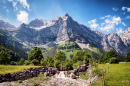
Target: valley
[{"x": 62, "y": 52}]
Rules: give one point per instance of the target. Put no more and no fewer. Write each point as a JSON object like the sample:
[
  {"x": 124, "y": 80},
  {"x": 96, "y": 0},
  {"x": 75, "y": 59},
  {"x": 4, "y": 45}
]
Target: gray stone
[{"x": 73, "y": 76}]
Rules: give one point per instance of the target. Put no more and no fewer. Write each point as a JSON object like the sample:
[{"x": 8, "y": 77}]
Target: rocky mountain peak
[
  {"x": 112, "y": 34},
  {"x": 125, "y": 36},
  {"x": 6, "y": 25},
  {"x": 37, "y": 23},
  {"x": 22, "y": 25},
  {"x": 66, "y": 14}
]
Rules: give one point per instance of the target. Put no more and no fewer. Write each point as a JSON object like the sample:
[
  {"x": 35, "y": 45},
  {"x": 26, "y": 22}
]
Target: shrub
[
  {"x": 97, "y": 71},
  {"x": 84, "y": 77},
  {"x": 35, "y": 62},
  {"x": 21, "y": 62},
  {"x": 36, "y": 84},
  {"x": 27, "y": 62},
  {"x": 57, "y": 63},
  {"x": 43, "y": 62},
  {"x": 13, "y": 63},
  {"x": 127, "y": 58},
  {"x": 75, "y": 65},
  {"x": 69, "y": 65},
  {"x": 113, "y": 60}
]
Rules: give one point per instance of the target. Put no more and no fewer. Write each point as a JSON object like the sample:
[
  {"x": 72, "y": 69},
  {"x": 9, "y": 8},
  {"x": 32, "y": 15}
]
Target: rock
[
  {"x": 72, "y": 76},
  {"x": 46, "y": 74}
]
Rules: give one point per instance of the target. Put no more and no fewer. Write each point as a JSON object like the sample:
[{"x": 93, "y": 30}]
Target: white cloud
[
  {"x": 107, "y": 16},
  {"x": 123, "y": 23},
  {"x": 114, "y": 9},
  {"x": 107, "y": 27},
  {"x": 10, "y": 0},
  {"x": 14, "y": 4},
  {"x": 24, "y": 3},
  {"x": 123, "y": 8},
  {"x": 23, "y": 17},
  {"x": 110, "y": 22},
  {"x": 101, "y": 17},
  {"x": 113, "y": 20},
  {"x": 7, "y": 10},
  {"x": 127, "y": 17},
  {"x": 126, "y": 8},
  {"x": 93, "y": 24},
  {"x": 119, "y": 31}
]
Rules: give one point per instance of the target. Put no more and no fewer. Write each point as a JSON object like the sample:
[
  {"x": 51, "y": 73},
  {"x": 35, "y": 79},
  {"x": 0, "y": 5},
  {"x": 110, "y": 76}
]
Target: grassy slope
[
  {"x": 69, "y": 48},
  {"x": 119, "y": 75},
  {"x": 13, "y": 69}
]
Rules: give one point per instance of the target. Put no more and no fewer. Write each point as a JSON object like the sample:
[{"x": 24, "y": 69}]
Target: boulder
[
  {"x": 72, "y": 76},
  {"x": 46, "y": 74}
]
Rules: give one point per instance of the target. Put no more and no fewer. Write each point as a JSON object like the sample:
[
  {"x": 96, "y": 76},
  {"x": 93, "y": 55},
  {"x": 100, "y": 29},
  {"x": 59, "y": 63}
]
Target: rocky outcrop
[
  {"x": 81, "y": 68},
  {"x": 29, "y": 73}
]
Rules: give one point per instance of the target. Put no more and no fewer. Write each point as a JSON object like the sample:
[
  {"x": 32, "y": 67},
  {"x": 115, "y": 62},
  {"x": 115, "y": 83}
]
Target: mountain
[
  {"x": 63, "y": 28},
  {"x": 125, "y": 36},
  {"x": 6, "y": 25},
  {"x": 8, "y": 44}
]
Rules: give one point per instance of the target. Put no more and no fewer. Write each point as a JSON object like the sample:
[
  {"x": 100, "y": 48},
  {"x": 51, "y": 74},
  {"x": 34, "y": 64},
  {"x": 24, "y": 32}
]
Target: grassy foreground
[
  {"x": 119, "y": 75},
  {"x": 12, "y": 69}
]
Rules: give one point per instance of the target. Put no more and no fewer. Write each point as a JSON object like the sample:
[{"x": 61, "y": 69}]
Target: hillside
[
  {"x": 70, "y": 48},
  {"x": 8, "y": 44}
]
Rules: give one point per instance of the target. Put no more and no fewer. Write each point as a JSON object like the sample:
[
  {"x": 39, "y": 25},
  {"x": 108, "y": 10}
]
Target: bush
[
  {"x": 97, "y": 71},
  {"x": 13, "y": 63},
  {"x": 113, "y": 60},
  {"x": 27, "y": 62},
  {"x": 69, "y": 65},
  {"x": 57, "y": 63},
  {"x": 43, "y": 62},
  {"x": 21, "y": 62},
  {"x": 84, "y": 77},
  {"x": 35, "y": 62},
  {"x": 127, "y": 58},
  {"x": 36, "y": 84},
  {"x": 75, "y": 65}
]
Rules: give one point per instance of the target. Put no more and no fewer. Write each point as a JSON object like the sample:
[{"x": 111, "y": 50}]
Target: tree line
[{"x": 35, "y": 57}]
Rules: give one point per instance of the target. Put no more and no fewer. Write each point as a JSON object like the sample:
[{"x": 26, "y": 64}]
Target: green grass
[
  {"x": 13, "y": 69},
  {"x": 119, "y": 75},
  {"x": 84, "y": 77},
  {"x": 69, "y": 48}
]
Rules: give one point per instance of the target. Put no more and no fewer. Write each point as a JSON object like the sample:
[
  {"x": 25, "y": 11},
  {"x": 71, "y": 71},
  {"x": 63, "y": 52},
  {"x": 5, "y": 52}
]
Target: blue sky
[{"x": 105, "y": 16}]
